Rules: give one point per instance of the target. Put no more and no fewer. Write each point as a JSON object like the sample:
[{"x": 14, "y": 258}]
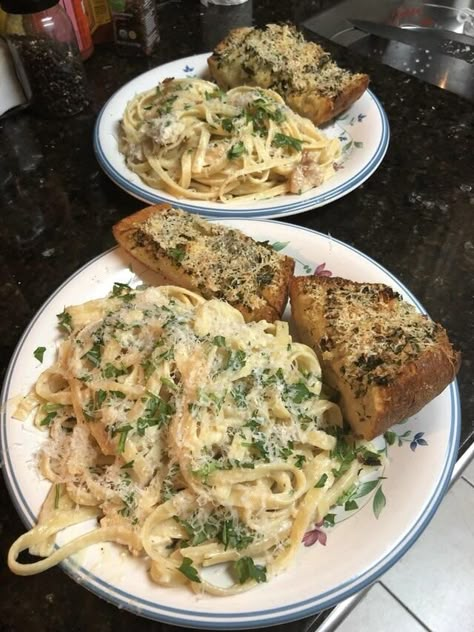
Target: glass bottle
[
  {"x": 47, "y": 61},
  {"x": 135, "y": 26}
]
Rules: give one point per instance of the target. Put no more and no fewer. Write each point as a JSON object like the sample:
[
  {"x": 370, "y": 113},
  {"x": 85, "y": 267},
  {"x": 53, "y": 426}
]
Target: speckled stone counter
[{"x": 414, "y": 215}]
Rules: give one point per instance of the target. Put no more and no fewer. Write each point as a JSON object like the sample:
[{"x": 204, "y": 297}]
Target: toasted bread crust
[
  {"x": 269, "y": 296},
  {"x": 235, "y": 61},
  {"x": 390, "y": 392},
  {"x": 320, "y": 109}
]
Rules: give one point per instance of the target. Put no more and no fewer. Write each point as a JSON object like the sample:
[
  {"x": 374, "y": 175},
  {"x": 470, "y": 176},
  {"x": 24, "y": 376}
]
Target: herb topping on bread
[
  {"x": 211, "y": 259},
  {"x": 278, "y": 57},
  {"x": 385, "y": 358}
]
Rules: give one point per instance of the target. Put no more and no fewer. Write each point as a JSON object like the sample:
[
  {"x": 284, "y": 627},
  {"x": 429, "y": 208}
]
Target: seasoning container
[
  {"x": 135, "y": 26},
  {"x": 80, "y": 23},
  {"x": 47, "y": 61},
  {"x": 100, "y": 20}
]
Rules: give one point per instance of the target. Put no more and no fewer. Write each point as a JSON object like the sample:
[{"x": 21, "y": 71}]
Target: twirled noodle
[
  {"x": 194, "y": 439},
  {"x": 190, "y": 139}
]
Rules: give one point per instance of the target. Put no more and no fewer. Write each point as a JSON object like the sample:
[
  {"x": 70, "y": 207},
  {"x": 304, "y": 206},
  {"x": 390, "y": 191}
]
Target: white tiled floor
[
  {"x": 380, "y": 611},
  {"x": 432, "y": 586}
]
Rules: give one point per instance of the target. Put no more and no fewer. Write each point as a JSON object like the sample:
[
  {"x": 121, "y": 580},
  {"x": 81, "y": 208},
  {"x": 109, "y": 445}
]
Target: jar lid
[{"x": 21, "y": 7}]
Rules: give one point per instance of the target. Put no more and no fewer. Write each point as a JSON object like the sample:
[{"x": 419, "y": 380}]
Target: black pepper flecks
[{"x": 54, "y": 72}]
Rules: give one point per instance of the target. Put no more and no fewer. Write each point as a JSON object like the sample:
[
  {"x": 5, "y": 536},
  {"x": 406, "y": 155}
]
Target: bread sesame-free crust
[
  {"x": 268, "y": 303},
  {"x": 404, "y": 388},
  {"x": 232, "y": 65}
]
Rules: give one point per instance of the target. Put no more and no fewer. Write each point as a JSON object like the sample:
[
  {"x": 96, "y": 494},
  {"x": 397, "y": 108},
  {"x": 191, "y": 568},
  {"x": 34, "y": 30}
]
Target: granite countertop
[{"x": 413, "y": 216}]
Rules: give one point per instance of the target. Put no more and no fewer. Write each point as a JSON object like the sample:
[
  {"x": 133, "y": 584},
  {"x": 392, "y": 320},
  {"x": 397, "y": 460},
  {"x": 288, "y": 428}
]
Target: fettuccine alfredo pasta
[
  {"x": 192, "y": 140},
  {"x": 193, "y": 438}
]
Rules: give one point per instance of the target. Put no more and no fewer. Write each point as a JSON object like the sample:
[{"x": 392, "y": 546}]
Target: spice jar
[
  {"x": 41, "y": 40},
  {"x": 135, "y": 26}
]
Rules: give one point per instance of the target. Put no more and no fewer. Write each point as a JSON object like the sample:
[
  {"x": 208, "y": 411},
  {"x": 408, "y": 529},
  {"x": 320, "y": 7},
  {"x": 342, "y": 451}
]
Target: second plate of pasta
[
  {"x": 169, "y": 134},
  {"x": 368, "y": 524}
]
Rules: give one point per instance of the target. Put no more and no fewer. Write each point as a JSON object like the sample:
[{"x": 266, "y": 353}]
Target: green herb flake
[
  {"x": 227, "y": 125},
  {"x": 48, "y": 419},
  {"x": 178, "y": 253},
  {"x": 219, "y": 341},
  {"x": 65, "y": 320},
  {"x": 100, "y": 398},
  {"x": 188, "y": 570},
  {"x": 94, "y": 354},
  {"x": 282, "y": 140},
  {"x": 123, "y": 291},
  {"x": 157, "y": 412},
  {"x": 300, "y": 460},
  {"x": 298, "y": 392},
  {"x": 117, "y": 394},
  {"x": 322, "y": 481},
  {"x": 236, "y": 150},
  {"x": 236, "y": 360},
  {"x": 39, "y": 353},
  {"x": 246, "y": 569},
  {"x": 233, "y": 537},
  {"x": 111, "y": 371},
  {"x": 239, "y": 394},
  {"x": 123, "y": 432}
]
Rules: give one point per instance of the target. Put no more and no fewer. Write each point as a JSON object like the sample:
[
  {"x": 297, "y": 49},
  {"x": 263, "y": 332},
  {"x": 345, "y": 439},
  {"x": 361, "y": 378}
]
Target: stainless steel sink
[{"x": 446, "y": 71}]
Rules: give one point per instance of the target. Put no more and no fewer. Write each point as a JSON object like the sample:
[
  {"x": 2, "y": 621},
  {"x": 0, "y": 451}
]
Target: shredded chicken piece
[{"x": 307, "y": 174}]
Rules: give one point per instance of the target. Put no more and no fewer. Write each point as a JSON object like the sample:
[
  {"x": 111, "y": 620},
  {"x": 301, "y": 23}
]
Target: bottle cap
[{"x": 22, "y": 7}]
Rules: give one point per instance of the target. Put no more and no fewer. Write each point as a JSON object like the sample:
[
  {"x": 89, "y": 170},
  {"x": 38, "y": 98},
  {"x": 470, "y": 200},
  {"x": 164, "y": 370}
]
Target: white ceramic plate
[
  {"x": 357, "y": 550},
  {"x": 363, "y": 131}
]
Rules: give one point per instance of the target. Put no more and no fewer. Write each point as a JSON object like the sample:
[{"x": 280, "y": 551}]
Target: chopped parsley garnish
[
  {"x": 282, "y": 140},
  {"x": 300, "y": 460},
  {"x": 236, "y": 150},
  {"x": 117, "y": 394},
  {"x": 219, "y": 341},
  {"x": 94, "y": 354},
  {"x": 227, "y": 124},
  {"x": 39, "y": 353},
  {"x": 259, "y": 446},
  {"x": 123, "y": 291},
  {"x": 217, "y": 526},
  {"x": 298, "y": 392},
  {"x": 236, "y": 360},
  {"x": 239, "y": 394},
  {"x": 65, "y": 320},
  {"x": 188, "y": 570},
  {"x": 48, "y": 419},
  {"x": 234, "y": 537},
  {"x": 123, "y": 432},
  {"x": 100, "y": 398},
  {"x": 254, "y": 422},
  {"x": 286, "y": 451},
  {"x": 178, "y": 253},
  {"x": 246, "y": 569},
  {"x": 322, "y": 481},
  {"x": 111, "y": 370},
  {"x": 157, "y": 412},
  {"x": 168, "y": 104}
]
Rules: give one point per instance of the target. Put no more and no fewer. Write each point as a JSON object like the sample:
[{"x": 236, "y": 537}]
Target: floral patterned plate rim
[
  {"x": 363, "y": 130},
  {"x": 368, "y": 532}
]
